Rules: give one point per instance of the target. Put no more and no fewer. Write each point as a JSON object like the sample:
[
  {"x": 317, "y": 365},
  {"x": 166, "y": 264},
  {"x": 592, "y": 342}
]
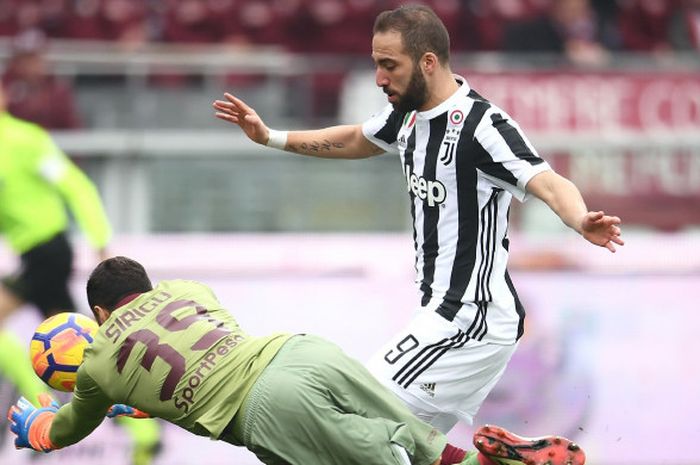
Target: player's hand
[
  {"x": 31, "y": 424},
  {"x": 122, "y": 410},
  {"x": 601, "y": 229},
  {"x": 236, "y": 111}
]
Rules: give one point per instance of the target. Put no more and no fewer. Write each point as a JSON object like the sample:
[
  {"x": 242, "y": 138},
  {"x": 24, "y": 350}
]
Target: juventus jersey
[{"x": 463, "y": 162}]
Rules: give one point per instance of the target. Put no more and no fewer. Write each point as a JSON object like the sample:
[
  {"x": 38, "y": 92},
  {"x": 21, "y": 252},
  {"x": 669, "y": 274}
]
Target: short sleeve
[
  {"x": 504, "y": 154},
  {"x": 382, "y": 129}
]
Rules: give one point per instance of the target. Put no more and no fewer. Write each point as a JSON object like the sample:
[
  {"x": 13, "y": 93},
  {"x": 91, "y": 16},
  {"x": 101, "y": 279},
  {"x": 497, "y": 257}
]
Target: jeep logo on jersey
[{"x": 433, "y": 192}]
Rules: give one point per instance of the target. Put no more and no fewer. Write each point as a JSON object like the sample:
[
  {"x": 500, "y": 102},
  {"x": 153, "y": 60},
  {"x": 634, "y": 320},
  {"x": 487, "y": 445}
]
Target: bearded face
[
  {"x": 397, "y": 73},
  {"x": 415, "y": 95}
]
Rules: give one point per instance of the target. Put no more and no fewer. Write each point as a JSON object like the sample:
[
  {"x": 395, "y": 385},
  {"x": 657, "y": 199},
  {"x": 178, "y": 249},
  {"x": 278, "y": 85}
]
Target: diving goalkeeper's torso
[{"x": 174, "y": 353}]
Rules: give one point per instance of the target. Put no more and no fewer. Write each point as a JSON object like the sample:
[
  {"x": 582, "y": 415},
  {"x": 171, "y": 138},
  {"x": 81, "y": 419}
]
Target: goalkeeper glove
[
  {"x": 31, "y": 424},
  {"x": 122, "y": 410}
]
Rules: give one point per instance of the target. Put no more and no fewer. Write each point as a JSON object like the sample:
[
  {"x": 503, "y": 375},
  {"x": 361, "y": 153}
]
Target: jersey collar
[
  {"x": 463, "y": 90},
  {"x": 126, "y": 299}
]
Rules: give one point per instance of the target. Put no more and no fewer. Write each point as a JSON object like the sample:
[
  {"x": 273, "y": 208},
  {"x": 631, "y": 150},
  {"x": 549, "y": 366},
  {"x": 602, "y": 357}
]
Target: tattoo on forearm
[{"x": 316, "y": 146}]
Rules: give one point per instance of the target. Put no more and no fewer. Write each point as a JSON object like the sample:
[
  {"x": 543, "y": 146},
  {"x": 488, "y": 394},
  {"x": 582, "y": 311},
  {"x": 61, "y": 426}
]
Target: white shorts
[{"x": 440, "y": 374}]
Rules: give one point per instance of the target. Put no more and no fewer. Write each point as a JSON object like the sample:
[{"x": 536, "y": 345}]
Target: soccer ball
[{"x": 57, "y": 348}]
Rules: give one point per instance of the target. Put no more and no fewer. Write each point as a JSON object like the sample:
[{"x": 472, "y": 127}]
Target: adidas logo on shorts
[{"x": 428, "y": 388}]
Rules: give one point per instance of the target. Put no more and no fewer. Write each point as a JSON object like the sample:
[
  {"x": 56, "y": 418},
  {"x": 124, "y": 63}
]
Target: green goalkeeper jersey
[{"x": 174, "y": 353}]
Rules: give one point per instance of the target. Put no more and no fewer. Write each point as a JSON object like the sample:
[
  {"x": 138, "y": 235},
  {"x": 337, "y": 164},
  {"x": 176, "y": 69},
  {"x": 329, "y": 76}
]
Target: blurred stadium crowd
[
  {"x": 581, "y": 32},
  {"x": 343, "y": 25},
  {"x": 604, "y": 86}
]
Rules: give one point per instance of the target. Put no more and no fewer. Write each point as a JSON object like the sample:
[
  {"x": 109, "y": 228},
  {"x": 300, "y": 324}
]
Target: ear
[
  {"x": 101, "y": 314},
  {"x": 429, "y": 63}
]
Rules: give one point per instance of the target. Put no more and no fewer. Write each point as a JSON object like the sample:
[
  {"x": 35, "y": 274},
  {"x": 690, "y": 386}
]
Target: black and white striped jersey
[{"x": 463, "y": 162}]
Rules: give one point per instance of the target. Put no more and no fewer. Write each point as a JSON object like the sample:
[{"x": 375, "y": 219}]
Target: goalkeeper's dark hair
[{"x": 114, "y": 279}]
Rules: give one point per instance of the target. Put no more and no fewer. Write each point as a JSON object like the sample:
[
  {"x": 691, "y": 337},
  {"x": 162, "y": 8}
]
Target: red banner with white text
[
  {"x": 595, "y": 102},
  {"x": 629, "y": 140}
]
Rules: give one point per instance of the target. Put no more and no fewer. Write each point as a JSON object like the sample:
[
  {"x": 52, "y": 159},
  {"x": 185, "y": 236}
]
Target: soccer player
[
  {"x": 463, "y": 159},
  {"x": 173, "y": 351},
  {"x": 37, "y": 181}
]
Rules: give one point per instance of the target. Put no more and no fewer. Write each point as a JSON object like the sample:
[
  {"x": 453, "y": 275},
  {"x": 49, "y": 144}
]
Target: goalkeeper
[
  {"x": 37, "y": 182},
  {"x": 172, "y": 351}
]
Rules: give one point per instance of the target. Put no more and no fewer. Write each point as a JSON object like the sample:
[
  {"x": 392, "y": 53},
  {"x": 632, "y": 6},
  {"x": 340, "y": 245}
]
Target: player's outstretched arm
[
  {"x": 564, "y": 198},
  {"x": 31, "y": 425},
  {"x": 346, "y": 141},
  {"x": 236, "y": 111}
]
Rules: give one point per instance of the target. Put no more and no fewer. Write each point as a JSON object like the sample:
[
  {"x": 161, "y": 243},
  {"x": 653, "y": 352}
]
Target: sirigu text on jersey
[{"x": 131, "y": 315}]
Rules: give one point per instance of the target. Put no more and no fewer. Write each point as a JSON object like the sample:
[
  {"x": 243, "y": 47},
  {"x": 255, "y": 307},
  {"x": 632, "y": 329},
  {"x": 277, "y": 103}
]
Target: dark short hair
[
  {"x": 114, "y": 279},
  {"x": 420, "y": 28}
]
